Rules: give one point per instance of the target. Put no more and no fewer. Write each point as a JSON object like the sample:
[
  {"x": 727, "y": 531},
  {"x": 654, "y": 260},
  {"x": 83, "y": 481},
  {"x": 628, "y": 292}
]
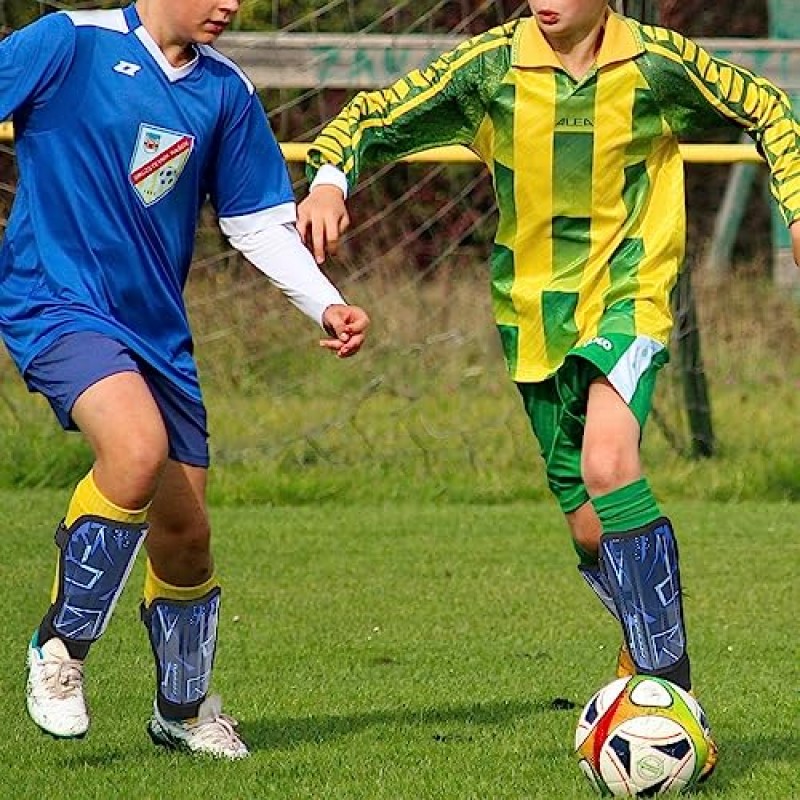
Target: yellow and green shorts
[{"x": 556, "y": 407}]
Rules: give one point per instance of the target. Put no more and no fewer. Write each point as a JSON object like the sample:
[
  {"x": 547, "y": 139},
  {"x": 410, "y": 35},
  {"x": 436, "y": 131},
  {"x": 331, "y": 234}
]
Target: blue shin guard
[
  {"x": 641, "y": 570},
  {"x": 593, "y": 575},
  {"x": 97, "y": 555},
  {"x": 183, "y": 634}
]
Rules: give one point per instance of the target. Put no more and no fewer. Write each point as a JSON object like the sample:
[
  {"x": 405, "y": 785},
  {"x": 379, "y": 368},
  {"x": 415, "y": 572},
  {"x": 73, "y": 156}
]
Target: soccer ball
[{"x": 642, "y": 736}]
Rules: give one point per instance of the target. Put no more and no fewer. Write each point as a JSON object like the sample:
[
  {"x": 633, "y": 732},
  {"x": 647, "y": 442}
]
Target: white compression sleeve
[
  {"x": 269, "y": 241},
  {"x": 328, "y": 175}
]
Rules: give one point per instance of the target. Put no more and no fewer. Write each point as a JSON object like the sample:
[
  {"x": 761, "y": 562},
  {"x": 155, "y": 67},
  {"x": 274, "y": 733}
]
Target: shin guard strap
[
  {"x": 641, "y": 568},
  {"x": 97, "y": 555},
  {"x": 183, "y": 635}
]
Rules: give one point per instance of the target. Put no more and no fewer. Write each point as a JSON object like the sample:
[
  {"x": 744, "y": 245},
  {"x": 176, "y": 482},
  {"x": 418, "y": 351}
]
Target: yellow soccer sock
[
  {"x": 87, "y": 499},
  {"x": 154, "y": 588}
]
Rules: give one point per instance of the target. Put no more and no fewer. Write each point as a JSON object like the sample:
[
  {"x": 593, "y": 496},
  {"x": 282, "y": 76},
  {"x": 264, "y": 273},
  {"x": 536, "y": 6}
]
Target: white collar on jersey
[{"x": 173, "y": 73}]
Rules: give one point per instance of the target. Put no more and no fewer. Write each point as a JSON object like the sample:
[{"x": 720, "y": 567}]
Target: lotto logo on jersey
[
  {"x": 158, "y": 161},
  {"x": 600, "y": 341}
]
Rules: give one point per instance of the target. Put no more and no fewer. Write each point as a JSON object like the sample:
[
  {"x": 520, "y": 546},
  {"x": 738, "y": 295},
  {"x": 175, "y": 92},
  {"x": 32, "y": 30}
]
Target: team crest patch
[{"x": 158, "y": 161}]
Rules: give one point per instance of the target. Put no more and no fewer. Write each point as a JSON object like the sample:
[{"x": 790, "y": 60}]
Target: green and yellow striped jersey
[{"x": 587, "y": 173}]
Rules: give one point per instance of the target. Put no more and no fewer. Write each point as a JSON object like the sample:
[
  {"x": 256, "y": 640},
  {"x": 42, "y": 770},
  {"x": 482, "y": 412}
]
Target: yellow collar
[{"x": 531, "y": 49}]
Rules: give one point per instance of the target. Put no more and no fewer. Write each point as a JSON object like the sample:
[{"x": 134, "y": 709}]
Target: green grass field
[{"x": 414, "y": 652}]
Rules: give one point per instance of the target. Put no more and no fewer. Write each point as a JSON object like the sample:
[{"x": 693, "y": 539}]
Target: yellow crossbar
[{"x": 692, "y": 153}]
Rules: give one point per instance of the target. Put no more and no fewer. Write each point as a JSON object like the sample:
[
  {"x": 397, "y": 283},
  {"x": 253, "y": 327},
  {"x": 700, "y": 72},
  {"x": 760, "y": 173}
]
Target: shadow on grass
[
  {"x": 741, "y": 758},
  {"x": 271, "y": 734},
  {"x": 451, "y": 724},
  {"x": 101, "y": 759}
]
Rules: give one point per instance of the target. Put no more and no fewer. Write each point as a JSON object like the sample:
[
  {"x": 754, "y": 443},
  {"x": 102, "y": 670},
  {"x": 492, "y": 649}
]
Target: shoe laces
[
  {"x": 214, "y": 726},
  {"x": 63, "y": 677}
]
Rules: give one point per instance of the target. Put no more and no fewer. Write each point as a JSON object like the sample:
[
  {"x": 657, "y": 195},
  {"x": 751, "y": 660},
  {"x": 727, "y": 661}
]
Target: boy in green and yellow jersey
[{"x": 576, "y": 112}]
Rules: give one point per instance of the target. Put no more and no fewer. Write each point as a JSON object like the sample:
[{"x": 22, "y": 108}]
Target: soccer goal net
[{"x": 428, "y": 401}]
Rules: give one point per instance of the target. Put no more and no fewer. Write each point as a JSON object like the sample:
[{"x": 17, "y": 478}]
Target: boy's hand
[
  {"x": 321, "y": 219},
  {"x": 794, "y": 229},
  {"x": 347, "y": 326}
]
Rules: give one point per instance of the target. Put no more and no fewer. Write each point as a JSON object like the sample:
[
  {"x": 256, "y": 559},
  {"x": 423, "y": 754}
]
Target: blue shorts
[{"x": 76, "y": 361}]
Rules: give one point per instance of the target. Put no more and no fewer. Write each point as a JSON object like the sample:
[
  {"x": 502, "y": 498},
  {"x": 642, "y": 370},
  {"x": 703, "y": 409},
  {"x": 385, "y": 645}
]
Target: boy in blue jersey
[{"x": 126, "y": 121}]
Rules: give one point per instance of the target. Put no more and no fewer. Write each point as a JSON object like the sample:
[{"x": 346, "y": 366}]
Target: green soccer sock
[
  {"x": 585, "y": 558},
  {"x": 627, "y": 508}
]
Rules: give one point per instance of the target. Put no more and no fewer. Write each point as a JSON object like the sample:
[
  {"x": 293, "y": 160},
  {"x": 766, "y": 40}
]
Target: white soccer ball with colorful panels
[{"x": 641, "y": 737}]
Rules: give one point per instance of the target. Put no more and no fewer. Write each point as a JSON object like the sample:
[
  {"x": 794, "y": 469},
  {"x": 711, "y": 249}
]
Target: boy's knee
[
  {"x": 145, "y": 461},
  {"x": 605, "y": 471},
  {"x": 131, "y": 475}
]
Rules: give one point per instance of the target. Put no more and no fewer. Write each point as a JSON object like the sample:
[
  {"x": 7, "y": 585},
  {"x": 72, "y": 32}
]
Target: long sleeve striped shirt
[{"x": 587, "y": 173}]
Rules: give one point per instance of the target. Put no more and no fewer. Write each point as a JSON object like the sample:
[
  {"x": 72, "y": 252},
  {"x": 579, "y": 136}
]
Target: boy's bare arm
[
  {"x": 321, "y": 219},
  {"x": 794, "y": 229}
]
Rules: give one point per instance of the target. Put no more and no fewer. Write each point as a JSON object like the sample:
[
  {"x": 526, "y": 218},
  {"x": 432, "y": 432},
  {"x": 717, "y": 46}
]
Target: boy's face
[
  {"x": 200, "y": 21},
  {"x": 561, "y": 17}
]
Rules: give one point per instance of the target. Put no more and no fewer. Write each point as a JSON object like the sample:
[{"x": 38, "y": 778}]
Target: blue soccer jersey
[{"x": 117, "y": 151}]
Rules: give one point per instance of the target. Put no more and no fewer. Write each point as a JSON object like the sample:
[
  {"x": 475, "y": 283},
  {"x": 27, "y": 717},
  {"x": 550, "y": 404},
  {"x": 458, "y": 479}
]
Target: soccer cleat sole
[
  {"x": 162, "y": 739},
  {"x": 59, "y": 737}
]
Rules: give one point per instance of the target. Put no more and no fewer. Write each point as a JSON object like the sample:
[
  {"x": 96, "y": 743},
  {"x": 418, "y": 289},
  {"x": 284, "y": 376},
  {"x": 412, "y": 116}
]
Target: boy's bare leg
[
  {"x": 98, "y": 540},
  {"x": 181, "y": 612}
]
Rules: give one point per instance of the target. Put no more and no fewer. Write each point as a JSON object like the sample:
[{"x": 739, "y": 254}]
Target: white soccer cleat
[
  {"x": 55, "y": 690},
  {"x": 211, "y": 733}
]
